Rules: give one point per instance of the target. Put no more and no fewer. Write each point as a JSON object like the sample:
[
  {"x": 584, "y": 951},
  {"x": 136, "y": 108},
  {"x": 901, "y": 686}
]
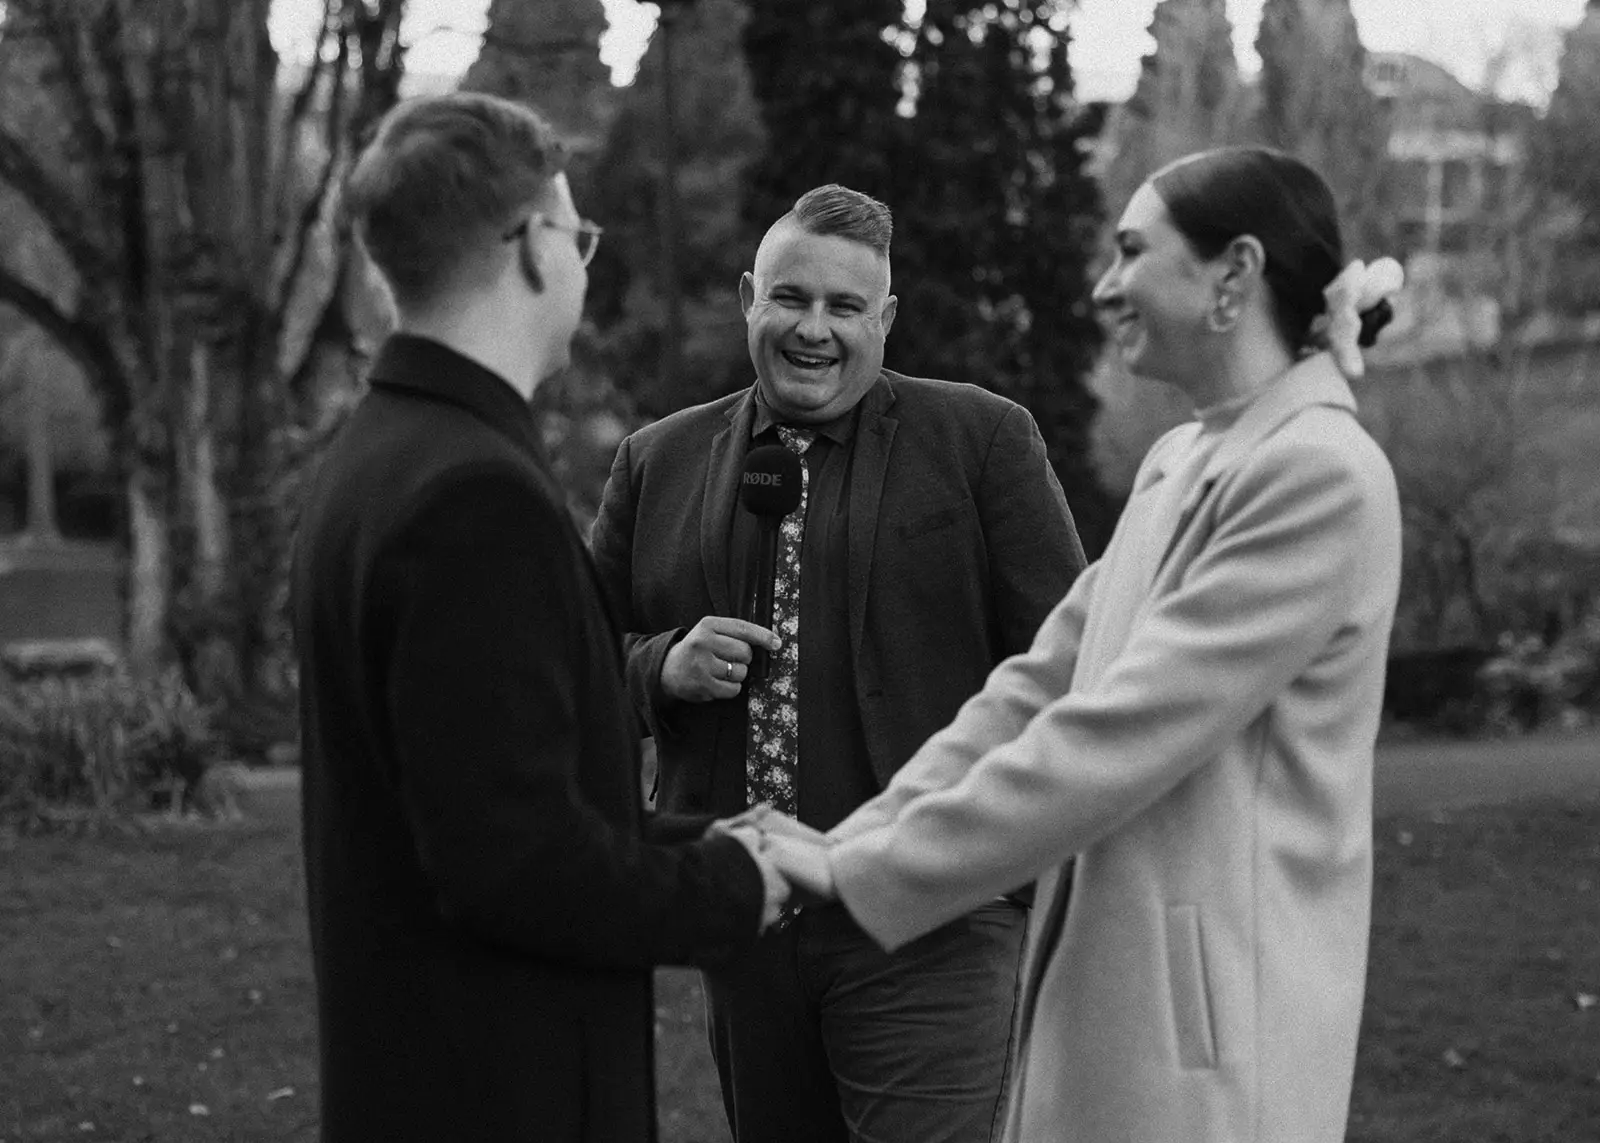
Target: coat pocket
[
  {"x": 1191, "y": 998},
  {"x": 933, "y": 521}
]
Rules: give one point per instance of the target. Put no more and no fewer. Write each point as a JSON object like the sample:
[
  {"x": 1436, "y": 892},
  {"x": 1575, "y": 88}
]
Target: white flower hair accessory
[{"x": 1358, "y": 288}]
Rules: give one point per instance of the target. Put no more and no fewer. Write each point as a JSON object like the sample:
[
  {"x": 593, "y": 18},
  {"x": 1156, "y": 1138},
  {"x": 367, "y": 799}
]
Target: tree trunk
[
  {"x": 213, "y": 666},
  {"x": 41, "y": 526},
  {"x": 149, "y": 566}
]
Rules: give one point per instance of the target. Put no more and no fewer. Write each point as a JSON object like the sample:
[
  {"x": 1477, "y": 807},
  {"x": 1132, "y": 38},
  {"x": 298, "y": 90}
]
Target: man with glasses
[{"x": 486, "y": 896}]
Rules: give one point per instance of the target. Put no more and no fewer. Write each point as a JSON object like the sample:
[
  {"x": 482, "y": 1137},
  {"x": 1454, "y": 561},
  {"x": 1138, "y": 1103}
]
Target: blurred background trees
[
  {"x": 184, "y": 317},
  {"x": 195, "y": 275}
]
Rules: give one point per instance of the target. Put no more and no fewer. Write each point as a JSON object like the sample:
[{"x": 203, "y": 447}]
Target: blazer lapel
[
  {"x": 874, "y": 442},
  {"x": 724, "y": 466}
]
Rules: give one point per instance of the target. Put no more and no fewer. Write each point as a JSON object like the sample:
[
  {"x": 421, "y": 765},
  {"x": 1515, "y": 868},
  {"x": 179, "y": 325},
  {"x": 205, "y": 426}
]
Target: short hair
[
  {"x": 1216, "y": 196},
  {"x": 442, "y": 180},
  {"x": 838, "y": 211}
]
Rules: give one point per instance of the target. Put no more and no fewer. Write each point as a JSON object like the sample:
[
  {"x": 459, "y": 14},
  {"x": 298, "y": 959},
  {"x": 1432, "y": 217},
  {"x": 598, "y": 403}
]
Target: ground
[{"x": 157, "y": 985}]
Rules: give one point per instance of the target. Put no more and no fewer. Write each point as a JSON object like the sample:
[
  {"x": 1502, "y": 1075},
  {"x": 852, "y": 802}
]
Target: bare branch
[
  {"x": 64, "y": 36},
  {"x": 317, "y": 203},
  {"x": 82, "y": 340},
  {"x": 527, "y": 49},
  {"x": 294, "y": 116},
  {"x": 54, "y": 203}
]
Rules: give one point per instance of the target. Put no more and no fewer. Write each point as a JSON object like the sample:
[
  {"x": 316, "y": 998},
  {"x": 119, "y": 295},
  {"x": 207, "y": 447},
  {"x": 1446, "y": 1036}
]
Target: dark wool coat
[{"x": 486, "y": 895}]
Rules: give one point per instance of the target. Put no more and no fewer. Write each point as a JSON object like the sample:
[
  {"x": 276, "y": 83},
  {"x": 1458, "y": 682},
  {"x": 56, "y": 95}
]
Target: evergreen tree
[
  {"x": 966, "y": 126},
  {"x": 1566, "y": 162},
  {"x": 826, "y": 77},
  {"x": 546, "y": 53},
  {"x": 1315, "y": 104},
  {"x": 1188, "y": 97},
  {"x": 997, "y": 222},
  {"x": 718, "y": 140}
]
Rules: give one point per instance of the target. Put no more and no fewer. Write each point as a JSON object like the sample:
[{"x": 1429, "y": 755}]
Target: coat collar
[
  {"x": 1313, "y": 381},
  {"x": 421, "y": 367}
]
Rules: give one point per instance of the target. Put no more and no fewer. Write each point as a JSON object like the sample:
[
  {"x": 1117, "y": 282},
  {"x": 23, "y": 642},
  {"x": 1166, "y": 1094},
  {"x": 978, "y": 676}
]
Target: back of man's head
[
  {"x": 441, "y": 182},
  {"x": 837, "y": 211}
]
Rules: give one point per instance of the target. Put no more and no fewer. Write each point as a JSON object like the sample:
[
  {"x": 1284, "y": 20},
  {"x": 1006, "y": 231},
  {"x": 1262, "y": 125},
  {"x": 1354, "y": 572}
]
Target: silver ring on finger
[{"x": 728, "y": 671}]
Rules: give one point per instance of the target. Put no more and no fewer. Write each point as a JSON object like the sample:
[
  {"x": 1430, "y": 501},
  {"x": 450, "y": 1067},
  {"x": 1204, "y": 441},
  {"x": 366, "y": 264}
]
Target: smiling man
[{"x": 930, "y": 542}]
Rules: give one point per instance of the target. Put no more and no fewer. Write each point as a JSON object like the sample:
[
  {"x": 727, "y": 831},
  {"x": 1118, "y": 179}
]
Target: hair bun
[{"x": 1373, "y": 319}]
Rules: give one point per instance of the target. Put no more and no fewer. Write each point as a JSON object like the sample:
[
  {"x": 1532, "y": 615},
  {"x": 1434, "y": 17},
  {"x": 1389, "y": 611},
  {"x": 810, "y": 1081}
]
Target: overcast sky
[{"x": 1109, "y": 36}]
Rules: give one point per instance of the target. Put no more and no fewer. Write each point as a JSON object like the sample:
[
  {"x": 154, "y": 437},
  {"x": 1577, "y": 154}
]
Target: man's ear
[
  {"x": 530, "y": 264},
  {"x": 747, "y": 292},
  {"x": 891, "y": 306}
]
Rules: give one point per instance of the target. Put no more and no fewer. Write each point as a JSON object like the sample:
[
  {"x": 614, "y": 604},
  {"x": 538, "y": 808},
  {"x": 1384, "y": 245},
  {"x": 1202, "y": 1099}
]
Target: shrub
[
  {"x": 1531, "y": 683},
  {"x": 106, "y": 743}
]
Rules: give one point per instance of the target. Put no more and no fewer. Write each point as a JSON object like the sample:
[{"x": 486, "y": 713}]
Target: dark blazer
[
  {"x": 960, "y": 542},
  {"x": 484, "y": 909}
]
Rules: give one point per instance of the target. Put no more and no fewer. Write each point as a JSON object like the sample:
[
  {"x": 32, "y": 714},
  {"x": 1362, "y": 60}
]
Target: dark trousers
[{"x": 821, "y": 1037}]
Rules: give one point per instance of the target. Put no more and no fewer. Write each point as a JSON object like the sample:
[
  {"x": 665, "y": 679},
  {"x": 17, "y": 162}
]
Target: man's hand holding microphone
[{"x": 713, "y": 660}]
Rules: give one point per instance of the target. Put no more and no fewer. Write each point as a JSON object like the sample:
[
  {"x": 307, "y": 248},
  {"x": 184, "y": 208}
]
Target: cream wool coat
[{"x": 1195, "y": 722}]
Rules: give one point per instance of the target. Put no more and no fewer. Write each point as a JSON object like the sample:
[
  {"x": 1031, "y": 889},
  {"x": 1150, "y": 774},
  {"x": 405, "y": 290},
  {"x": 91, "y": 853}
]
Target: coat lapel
[
  {"x": 1314, "y": 381},
  {"x": 874, "y": 442},
  {"x": 724, "y": 466}
]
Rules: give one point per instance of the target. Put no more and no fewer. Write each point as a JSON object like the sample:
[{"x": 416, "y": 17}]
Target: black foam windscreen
[{"x": 771, "y": 483}]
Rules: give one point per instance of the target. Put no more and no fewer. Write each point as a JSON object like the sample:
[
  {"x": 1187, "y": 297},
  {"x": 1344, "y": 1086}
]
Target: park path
[{"x": 1449, "y": 774}]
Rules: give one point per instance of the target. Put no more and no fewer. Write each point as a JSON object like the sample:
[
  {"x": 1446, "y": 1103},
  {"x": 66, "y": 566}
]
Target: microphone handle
[{"x": 760, "y": 609}]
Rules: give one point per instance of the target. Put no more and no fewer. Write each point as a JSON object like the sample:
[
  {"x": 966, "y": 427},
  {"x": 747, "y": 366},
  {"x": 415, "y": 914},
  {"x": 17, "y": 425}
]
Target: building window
[{"x": 1457, "y": 191}]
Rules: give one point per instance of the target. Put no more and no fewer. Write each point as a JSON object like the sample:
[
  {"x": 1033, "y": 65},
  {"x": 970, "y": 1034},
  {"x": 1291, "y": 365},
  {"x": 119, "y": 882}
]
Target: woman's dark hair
[{"x": 1216, "y": 196}]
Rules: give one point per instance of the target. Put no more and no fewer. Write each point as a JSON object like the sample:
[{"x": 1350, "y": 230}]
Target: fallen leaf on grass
[
  {"x": 281, "y": 1093},
  {"x": 1454, "y": 1059}
]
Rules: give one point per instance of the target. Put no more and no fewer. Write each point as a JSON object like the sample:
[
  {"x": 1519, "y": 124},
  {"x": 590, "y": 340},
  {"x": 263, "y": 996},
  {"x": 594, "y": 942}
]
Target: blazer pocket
[
  {"x": 932, "y": 521},
  {"x": 1191, "y": 999}
]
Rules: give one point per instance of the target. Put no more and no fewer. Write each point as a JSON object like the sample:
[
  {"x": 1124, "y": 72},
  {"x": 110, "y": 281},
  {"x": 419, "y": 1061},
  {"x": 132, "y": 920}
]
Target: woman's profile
[{"x": 1184, "y": 757}]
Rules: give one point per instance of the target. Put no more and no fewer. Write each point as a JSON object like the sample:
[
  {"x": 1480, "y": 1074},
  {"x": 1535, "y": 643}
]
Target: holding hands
[{"x": 792, "y": 857}]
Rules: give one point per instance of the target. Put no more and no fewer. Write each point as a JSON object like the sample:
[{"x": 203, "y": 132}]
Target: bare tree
[{"x": 194, "y": 207}]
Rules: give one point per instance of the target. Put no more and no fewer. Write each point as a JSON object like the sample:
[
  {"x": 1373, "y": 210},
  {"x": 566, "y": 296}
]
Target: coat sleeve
[
  {"x": 484, "y": 666},
  {"x": 1301, "y": 531},
  {"x": 1015, "y": 692},
  {"x": 1034, "y": 553},
  {"x": 611, "y": 544}
]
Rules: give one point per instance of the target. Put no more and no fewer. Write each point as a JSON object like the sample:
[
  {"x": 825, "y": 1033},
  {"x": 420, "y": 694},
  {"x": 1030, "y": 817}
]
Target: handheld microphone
[{"x": 769, "y": 489}]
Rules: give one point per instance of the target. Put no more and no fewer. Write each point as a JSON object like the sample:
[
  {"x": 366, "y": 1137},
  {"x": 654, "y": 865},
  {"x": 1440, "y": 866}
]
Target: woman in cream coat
[{"x": 1194, "y": 722}]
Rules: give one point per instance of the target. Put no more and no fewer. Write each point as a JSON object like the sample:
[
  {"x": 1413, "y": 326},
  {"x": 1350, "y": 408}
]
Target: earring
[{"x": 1223, "y": 315}]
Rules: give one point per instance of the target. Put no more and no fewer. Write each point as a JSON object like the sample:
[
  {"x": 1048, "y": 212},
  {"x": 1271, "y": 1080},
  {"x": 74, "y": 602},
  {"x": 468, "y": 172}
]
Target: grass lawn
[{"x": 157, "y": 987}]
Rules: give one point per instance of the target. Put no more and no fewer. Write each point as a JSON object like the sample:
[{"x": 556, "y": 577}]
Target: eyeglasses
[{"x": 585, "y": 234}]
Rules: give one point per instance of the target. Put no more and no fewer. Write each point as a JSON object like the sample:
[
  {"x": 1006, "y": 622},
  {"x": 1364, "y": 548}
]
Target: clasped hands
[{"x": 792, "y": 857}]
